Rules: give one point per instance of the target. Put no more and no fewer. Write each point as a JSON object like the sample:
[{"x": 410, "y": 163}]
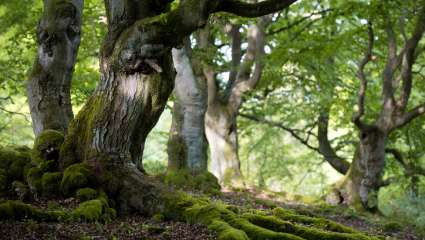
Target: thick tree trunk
[
  {"x": 187, "y": 143},
  {"x": 221, "y": 132},
  {"x": 361, "y": 184},
  {"x": 137, "y": 77},
  {"x": 58, "y": 37}
]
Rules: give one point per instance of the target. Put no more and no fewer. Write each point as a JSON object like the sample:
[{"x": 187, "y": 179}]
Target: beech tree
[
  {"x": 365, "y": 177},
  {"x": 137, "y": 78},
  {"x": 49, "y": 85}
]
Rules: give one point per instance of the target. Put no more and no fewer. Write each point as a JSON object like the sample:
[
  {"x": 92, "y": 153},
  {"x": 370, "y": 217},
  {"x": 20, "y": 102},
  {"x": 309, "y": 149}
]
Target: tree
[
  {"x": 49, "y": 86},
  {"x": 365, "y": 176},
  {"x": 187, "y": 144},
  {"x": 136, "y": 80}
]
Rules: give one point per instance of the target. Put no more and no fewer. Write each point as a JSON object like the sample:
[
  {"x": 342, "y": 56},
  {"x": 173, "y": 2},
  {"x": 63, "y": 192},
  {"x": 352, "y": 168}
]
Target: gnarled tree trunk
[
  {"x": 137, "y": 78},
  {"x": 49, "y": 86}
]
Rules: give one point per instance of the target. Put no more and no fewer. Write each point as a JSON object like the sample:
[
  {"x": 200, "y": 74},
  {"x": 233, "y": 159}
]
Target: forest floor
[{"x": 138, "y": 227}]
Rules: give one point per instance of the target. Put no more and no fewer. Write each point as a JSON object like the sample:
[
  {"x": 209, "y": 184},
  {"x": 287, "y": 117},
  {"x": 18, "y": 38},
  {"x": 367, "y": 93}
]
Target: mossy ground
[{"x": 228, "y": 221}]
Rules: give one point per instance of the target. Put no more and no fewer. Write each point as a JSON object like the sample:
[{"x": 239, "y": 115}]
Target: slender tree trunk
[
  {"x": 187, "y": 143},
  {"x": 58, "y": 37},
  {"x": 221, "y": 132}
]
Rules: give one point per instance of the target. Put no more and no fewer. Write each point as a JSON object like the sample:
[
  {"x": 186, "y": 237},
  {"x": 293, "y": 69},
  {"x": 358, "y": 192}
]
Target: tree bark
[
  {"x": 58, "y": 37},
  {"x": 221, "y": 132},
  {"x": 187, "y": 144}
]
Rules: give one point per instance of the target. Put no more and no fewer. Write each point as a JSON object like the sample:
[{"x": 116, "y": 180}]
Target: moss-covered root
[
  {"x": 17, "y": 210},
  {"x": 229, "y": 224},
  {"x": 320, "y": 223},
  {"x": 94, "y": 210}
]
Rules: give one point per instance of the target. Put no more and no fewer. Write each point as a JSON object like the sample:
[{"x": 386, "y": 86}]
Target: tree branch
[
  {"x": 325, "y": 148},
  {"x": 409, "y": 58},
  {"x": 291, "y": 131},
  {"x": 252, "y": 9},
  {"x": 409, "y": 116},
  {"x": 363, "y": 80}
]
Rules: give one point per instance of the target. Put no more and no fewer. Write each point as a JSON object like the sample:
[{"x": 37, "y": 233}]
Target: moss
[
  {"x": 205, "y": 181},
  {"x": 3, "y": 182},
  {"x": 392, "y": 227},
  {"x": 13, "y": 162},
  {"x": 313, "y": 221},
  {"x": 21, "y": 190},
  {"x": 76, "y": 176},
  {"x": 33, "y": 178},
  {"x": 50, "y": 184},
  {"x": 46, "y": 147},
  {"x": 94, "y": 210},
  {"x": 18, "y": 210},
  {"x": 86, "y": 194},
  {"x": 158, "y": 218},
  {"x": 309, "y": 233},
  {"x": 227, "y": 232}
]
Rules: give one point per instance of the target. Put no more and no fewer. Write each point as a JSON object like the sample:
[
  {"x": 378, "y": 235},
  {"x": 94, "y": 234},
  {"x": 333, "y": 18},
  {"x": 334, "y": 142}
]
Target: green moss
[
  {"x": 3, "y": 182},
  {"x": 158, "y": 218},
  {"x": 392, "y": 227},
  {"x": 313, "y": 221},
  {"x": 94, "y": 210},
  {"x": 76, "y": 176},
  {"x": 46, "y": 147},
  {"x": 33, "y": 178},
  {"x": 205, "y": 182},
  {"x": 227, "y": 232},
  {"x": 21, "y": 190},
  {"x": 50, "y": 184},
  {"x": 18, "y": 210},
  {"x": 13, "y": 162},
  {"x": 85, "y": 194}
]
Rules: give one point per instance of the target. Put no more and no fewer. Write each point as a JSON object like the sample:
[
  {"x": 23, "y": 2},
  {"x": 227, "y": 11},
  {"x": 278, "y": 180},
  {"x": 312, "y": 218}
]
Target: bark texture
[
  {"x": 187, "y": 144},
  {"x": 58, "y": 37}
]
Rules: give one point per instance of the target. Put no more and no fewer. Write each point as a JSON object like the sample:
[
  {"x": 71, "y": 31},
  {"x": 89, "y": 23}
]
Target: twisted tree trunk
[
  {"x": 137, "y": 77},
  {"x": 49, "y": 86}
]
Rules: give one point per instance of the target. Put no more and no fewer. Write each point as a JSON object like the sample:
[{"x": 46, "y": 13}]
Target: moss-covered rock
[
  {"x": 46, "y": 148},
  {"x": 205, "y": 182},
  {"x": 94, "y": 210},
  {"x": 13, "y": 166},
  {"x": 85, "y": 194},
  {"x": 50, "y": 184},
  {"x": 33, "y": 178},
  {"x": 75, "y": 177}
]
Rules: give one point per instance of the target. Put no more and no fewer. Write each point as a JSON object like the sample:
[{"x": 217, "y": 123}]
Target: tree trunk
[
  {"x": 187, "y": 143},
  {"x": 221, "y": 132},
  {"x": 58, "y": 37},
  {"x": 361, "y": 184},
  {"x": 137, "y": 77}
]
